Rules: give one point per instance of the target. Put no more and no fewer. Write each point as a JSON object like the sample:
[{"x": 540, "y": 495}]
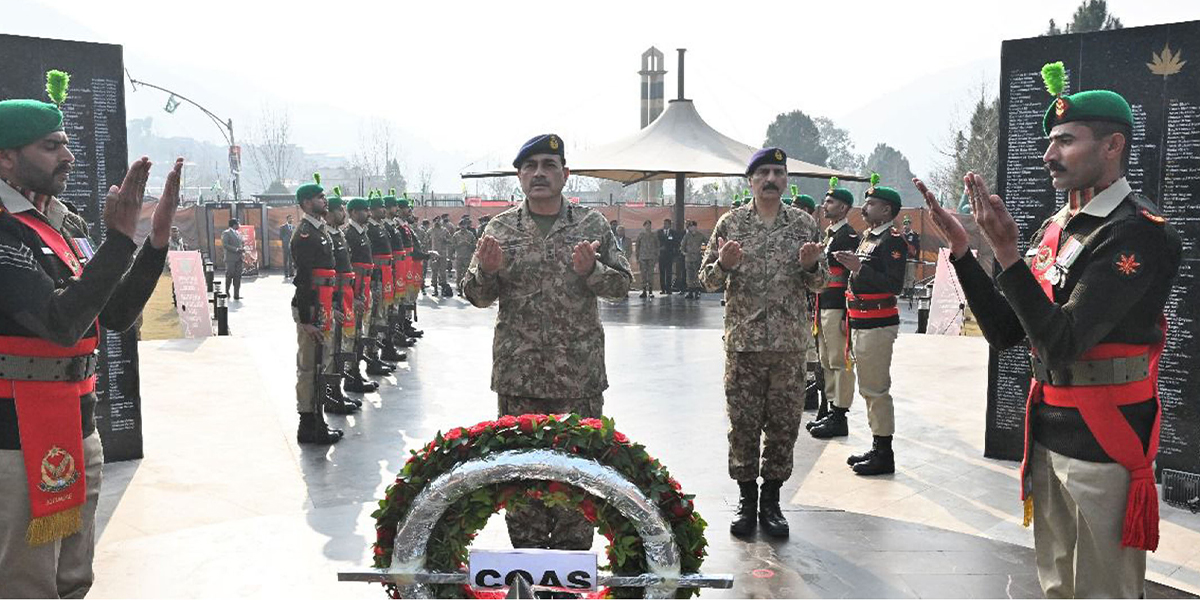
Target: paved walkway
[{"x": 227, "y": 504}]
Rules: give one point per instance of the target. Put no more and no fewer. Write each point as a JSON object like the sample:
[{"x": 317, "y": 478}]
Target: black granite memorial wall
[
  {"x": 1157, "y": 69},
  {"x": 94, "y": 119}
]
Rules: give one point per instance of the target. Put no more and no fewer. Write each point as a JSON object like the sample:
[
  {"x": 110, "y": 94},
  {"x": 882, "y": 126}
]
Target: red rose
[
  {"x": 674, "y": 484},
  {"x": 506, "y": 421},
  {"x": 481, "y": 428},
  {"x": 556, "y": 487},
  {"x": 681, "y": 509},
  {"x": 528, "y": 422},
  {"x": 592, "y": 422},
  {"x": 620, "y": 438},
  {"x": 379, "y": 551},
  {"x": 588, "y": 509},
  {"x": 454, "y": 434}
]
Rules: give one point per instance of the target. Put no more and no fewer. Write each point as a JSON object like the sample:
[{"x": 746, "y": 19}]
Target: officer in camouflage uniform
[
  {"x": 547, "y": 261},
  {"x": 463, "y": 244},
  {"x": 439, "y": 239},
  {"x": 1089, "y": 299},
  {"x": 691, "y": 246},
  {"x": 312, "y": 309},
  {"x": 766, "y": 255}
]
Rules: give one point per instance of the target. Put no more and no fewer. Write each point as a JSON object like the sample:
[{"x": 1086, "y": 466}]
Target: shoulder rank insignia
[
  {"x": 1127, "y": 264},
  {"x": 1153, "y": 218}
]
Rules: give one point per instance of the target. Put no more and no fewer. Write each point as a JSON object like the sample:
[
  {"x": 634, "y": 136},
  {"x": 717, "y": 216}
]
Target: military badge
[
  {"x": 58, "y": 471},
  {"x": 1126, "y": 264},
  {"x": 553, "y": 143},
  {"x": 778, "y": 155},
  {"x": 1043, "y": 257},
  {"x": 1153, "y": 218},
  {"x": 1060, "y": 107}
]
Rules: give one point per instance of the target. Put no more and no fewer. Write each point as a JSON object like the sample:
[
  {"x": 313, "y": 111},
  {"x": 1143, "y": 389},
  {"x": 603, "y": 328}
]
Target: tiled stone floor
[{"x": 227, "y": 504}]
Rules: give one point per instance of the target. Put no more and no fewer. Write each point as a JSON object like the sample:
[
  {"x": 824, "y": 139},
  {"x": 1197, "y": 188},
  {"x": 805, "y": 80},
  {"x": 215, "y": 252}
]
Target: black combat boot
[
  {"x": 880, "y": 460},
  {"x": 643, "y": 294},
  {"x": 770, "y": 515},
  {"x": 334, "y": 401},
  {"x": 391, "y": 353},
  {"x": 446, "y": 291},
  {"x": 354, "y": 382},
  {"x": 745, "y": 519},
  {"x": 812, "y": 397},
  {"x": 834, "y": 425},
  {"x": 313, "y": 430}
]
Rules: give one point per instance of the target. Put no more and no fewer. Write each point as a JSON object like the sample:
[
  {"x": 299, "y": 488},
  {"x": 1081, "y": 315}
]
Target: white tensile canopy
[{"x": 677, "y": 144}]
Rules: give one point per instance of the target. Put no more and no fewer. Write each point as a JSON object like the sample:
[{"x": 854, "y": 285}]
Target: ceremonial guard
[
  {"x": 692, "y": 247},
  {"x": 342, "y": 347},
  {"x": 381, "y": 353},
  {"x": 547, "y": 261},
  {"x": 54, "y": 303},
  {"x": 647, "y": 257},
  {"x": 876, "y": 276},
  {"x": 312, "y": 310},
  {"x": 830, "y": 322},
  {"x": 463, "y": 245},
  {"x": 1088, "y": 298},
  {"x": 766, "y": 255},
  {"x": 415, "y": 256},
  {"x": 359, "y": 242},
  {"x": 401, "y": 267}
]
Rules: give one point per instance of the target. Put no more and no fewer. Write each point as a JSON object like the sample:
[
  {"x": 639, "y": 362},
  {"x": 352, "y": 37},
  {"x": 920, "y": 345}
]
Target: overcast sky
[{"x": 469, "y": 81}]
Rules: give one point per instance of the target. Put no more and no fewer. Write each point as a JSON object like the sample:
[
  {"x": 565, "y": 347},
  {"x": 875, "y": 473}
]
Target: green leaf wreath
[{"x": 596, "y": 439}]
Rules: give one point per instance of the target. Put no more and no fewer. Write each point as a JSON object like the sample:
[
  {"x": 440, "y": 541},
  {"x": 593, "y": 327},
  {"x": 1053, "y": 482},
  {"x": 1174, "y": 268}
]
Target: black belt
[
  {"x": 1107, "y": 371},
  {"x": 28, "y": 368},
  {"x": 324, "y": 281},
  {"x": 871, "y": 304}
]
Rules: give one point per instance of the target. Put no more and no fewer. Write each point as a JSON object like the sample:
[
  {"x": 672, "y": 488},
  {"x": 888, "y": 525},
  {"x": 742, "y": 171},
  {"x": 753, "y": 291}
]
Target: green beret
[
  {"x": 357, "y": 204},
  {"x": 883, "y": 193},
  {"x": 23, "y": 122},
  {"x": 839, "y": 193},
  {"x": 308, "y": 191},
  {"x": 376, "y": 202},
  {"x": 403, "y": 203},
  {"x": 1092, "y": 105},
  {"x": 546, "y": 143},
  {"x": 766, "y": 156},
  {"x": 805, "y": 200},
  {"x": 335, "y": 202},
  {"x": 389, "y": 201}
]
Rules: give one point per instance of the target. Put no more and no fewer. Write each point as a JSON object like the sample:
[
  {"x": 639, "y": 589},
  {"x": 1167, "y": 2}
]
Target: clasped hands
[
  {"x": 730, "y": 254},
  {"x": 491, "y": 258}
]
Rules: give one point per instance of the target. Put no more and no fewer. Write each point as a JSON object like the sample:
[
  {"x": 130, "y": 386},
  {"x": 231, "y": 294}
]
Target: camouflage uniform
[
  {"x": 692, "y": 248},
  {"x": 439, "y": 239},
  {"x": 548, "y": 349},
  {"x": 647, "y": 257},
  {"x": 766, "y": 328},
  {"x": 463, "y": 243}
]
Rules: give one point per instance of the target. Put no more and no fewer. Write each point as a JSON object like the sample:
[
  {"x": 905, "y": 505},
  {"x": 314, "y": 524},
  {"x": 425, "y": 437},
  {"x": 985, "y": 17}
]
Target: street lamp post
[{"x": 226, "y": 127}]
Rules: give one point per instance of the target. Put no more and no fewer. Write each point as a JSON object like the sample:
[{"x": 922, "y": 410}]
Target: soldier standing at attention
[
  {"x": 359, "y": 242},
  {"x": 876, "y": 276},
  {"x": 693, "y": 242},
  {"x": 832, "y": 328},
  {"x": 235, "y": 248},
  {"x": 766, "y": 254},
  {"x": 439, "y": 238},
  {"x": 1088, "y": 297},
  {"x": 547, "y": 261},
  {"x": 463, "y": 244},
  {"x": 312, "y": 309},
  {"x": 380, "y": 351},
  {"x": 343, "y": 309},
  {"x": 54, "y": 301},
  {"x": 416, "y": 255},
  {"x": 647, "y": 257}
]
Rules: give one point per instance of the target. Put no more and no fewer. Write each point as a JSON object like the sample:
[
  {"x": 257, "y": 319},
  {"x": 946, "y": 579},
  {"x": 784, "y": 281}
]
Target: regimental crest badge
[
  {"x": 778, "y": 155},
  {"x": 553, "y": 143},
  {"x": 1060, "y": 107},
  {"x": 1127, "y": 264},
  {"x": 1042, "y": 259},
  {"x": 1153, "y": 218},
  {"x": 58, "y": 471}
]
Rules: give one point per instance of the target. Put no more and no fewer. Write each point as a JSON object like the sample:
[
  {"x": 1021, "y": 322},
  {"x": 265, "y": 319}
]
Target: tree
[
  {"x": 1091, "y": 15},
  {"x": 799, "y": 136},
  {"x": 974, "y": 147},
  {"x": 377, "y": 159},
  {"x": 393, "y": 178},
  {"x": 425, "y": 178},
  {"x": 893, "y": 170},
  {"x": 837, "y": 143},
  {"x": 500, "y": 188},
  {"x": 272, "y": 153}
]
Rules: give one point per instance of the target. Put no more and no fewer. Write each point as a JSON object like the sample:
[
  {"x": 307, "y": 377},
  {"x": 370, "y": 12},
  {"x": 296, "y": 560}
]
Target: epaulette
[{"x": 1153, "y": 218}]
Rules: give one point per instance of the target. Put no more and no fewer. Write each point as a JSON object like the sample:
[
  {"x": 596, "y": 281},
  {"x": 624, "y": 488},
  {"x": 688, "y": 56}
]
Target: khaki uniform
[
  {"x": 312, "y": 248},
  {"x": 439, "y": 238},
  {"x": 872, "y": 338},
  {"x": 832, "y": 326},
  {"x": 548, "y": 348},
  {"x": 647, "y": 257},
  {"x": 692, "y": 247},
  {"x": 381, "y": 252},
  {"x": 766, "y": 327},
  {"x": 463, "y": 245}
]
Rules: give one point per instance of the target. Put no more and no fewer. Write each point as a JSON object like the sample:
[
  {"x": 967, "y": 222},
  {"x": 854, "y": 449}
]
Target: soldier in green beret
[
  {"x": 876, "y": 277},
  {"x": 359, "y": 243},
  {"x": 1088, "y": 298},
  {"x": 381, "y": 354},
  {"x": 56, "y": 298},
  {"x": 343, "y": 310}
]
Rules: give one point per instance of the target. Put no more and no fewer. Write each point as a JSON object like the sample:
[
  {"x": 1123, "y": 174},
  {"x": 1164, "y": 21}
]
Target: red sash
[
  {"x": 346, "y": 289},
  {"x": 399, "y": 274},
  {"x": 1099, "y": 407},
  {"x": 49, "y": 420},
  {"x": 837, "y": 277},
  {"x": 362, "y": 286},
  {"x": 324, "y": 280},
  {"x": 386, "y": 279},
  {"x": 875, "y": 313}
]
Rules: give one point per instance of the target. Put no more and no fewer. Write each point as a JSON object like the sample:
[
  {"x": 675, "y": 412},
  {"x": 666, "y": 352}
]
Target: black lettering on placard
[
  {"x": 579, "y": 579},
  {"x": 1164, "y": 94},
  {"x": 512, "y": 577},
  {"x": 550, "y": 579},
  {"x": 94, "y": 120},
  {"x": 481, "y": 578}
]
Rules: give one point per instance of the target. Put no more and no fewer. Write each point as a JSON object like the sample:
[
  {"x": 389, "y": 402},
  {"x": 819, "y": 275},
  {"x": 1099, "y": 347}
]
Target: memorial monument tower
[{"x": 651, "y": 106}]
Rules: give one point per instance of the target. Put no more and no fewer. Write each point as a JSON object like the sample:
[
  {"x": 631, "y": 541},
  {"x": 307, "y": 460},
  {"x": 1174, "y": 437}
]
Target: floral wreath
[{"x": 596, "y": 439}]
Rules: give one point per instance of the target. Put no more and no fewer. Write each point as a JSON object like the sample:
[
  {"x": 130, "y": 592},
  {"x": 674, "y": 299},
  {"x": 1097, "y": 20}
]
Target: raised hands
[
  {"x": 123, "y": 205},
  {"x": 946, "y": 225},
  {"x": 729, "y": 253},
  {"x": 583, "y": 258},
  {"x": 809, "y": 253},
  {"x": 997, "y": 225},
  {"x": 848, "y": 259},
  {"x": 491, "y": 257},
  {"x": 164, "y": 213}
]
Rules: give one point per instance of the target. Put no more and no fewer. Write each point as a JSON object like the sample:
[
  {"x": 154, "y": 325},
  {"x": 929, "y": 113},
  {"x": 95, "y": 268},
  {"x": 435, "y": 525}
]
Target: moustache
[
  {"x": 1055, "y": 167},
  {"x": 770, "y": 186},
  {"x": 64, "y": 168},
  {"x": 539, "y": 182}
]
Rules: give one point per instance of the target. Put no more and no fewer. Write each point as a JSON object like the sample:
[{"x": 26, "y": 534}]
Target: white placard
[
  {"x": 191, "y": 292},
  {"x": 573, "y": 570},
  {"x": 946, "y": 308}
]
